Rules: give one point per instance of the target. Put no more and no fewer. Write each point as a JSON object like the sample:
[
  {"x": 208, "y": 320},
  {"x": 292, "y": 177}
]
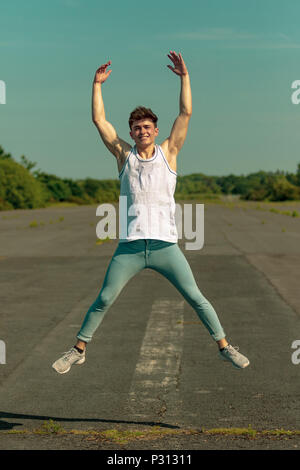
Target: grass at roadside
[{"x": 120, "y": 436}]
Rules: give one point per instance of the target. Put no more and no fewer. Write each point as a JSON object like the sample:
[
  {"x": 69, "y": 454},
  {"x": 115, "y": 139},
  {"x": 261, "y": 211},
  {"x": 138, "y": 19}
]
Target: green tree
[
  {"x": 18, "y": 187},
  {"x": 280, "y": 189},
  {"x": 298, "y": 174},
  {"x": 4, "y": 155},
  {"x": 57, "y": 189},
  {"x": 27, "y": 163}
]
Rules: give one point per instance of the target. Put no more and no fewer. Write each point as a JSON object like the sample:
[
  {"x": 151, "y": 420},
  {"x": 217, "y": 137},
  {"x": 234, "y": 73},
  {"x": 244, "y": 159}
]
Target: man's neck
[{"x": 146, "y": 152}]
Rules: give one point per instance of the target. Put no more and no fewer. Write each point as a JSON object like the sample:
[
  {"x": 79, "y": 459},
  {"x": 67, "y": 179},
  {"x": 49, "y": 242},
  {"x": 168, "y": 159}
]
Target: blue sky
[{"x": 242, "y": 57}]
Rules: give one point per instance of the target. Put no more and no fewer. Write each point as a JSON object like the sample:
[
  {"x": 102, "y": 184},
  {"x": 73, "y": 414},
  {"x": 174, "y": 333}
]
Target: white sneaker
[
  {"x": 230, "y": 353},
  {"x": 69, "y": 358}
]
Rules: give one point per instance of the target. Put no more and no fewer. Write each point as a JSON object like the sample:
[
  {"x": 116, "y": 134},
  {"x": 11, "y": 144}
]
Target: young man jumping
[{"x": 147, "y": 173}]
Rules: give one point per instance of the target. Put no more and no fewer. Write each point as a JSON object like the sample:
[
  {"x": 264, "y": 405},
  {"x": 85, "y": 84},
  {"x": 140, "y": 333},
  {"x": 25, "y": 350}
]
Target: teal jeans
[{"x": 164, "y": 257}]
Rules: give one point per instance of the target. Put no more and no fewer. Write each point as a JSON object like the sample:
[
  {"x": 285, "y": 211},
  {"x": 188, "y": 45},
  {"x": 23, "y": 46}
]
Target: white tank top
[{"x": 147, "y": 206}]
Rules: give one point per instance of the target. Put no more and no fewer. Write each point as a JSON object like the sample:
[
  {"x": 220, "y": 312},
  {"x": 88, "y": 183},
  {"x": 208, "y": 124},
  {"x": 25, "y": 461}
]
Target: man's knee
[
  {"x": 105, "y": 299},
  {"x": 195, "y": 297}
]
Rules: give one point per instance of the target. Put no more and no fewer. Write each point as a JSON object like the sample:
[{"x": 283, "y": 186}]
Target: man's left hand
[{"x": 179, "y": 65}]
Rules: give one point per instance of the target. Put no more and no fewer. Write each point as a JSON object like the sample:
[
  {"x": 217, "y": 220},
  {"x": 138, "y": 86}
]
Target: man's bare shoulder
[{"x": 120, "y": 148}]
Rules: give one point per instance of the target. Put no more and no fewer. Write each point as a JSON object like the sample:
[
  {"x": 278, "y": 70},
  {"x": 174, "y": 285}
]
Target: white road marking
[{"x": 157, "y": 371}]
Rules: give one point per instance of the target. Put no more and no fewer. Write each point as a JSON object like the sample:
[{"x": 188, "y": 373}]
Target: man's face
[{"x": 144, "y": 132}]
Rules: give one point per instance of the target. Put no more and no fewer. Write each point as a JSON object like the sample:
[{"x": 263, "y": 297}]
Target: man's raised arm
[
  {"x": 107, "y": 132},
  {"x": 180, "y": 126}
]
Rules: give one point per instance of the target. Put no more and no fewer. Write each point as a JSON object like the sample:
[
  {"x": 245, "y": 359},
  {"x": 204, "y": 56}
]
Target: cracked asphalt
[{"x": 51, "y": 270}]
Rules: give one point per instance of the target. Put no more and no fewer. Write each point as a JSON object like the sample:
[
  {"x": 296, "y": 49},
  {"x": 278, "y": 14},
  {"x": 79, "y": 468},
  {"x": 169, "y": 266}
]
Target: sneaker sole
[
  {"x": 234, "y": 365},
  {"x": 61, "y": 372},
  {"x": 81, "y": 361},
  {"x": 241, "y": 367}
]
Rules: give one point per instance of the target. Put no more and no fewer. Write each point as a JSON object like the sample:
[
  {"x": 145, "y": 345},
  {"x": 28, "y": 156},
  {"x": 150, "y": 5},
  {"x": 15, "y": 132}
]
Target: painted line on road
[{"x": 157, "y": 371}]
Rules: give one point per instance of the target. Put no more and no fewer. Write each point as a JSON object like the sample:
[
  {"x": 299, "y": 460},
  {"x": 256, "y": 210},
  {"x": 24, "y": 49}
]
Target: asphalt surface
[{"x": 151, "y": 363}]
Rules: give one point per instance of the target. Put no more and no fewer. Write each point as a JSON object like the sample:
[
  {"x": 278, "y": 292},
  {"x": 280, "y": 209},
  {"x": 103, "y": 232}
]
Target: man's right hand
[{"x": 101, "y": 74}]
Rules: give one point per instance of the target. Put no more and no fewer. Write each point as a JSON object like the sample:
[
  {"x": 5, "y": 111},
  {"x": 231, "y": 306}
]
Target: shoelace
[
  {"x": 68, "y": 354},
  {"x": 233, "y": 349}
]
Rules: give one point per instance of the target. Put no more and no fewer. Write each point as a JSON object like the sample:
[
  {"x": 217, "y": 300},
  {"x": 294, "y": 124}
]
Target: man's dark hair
[{"x": 142, "y": 113}]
